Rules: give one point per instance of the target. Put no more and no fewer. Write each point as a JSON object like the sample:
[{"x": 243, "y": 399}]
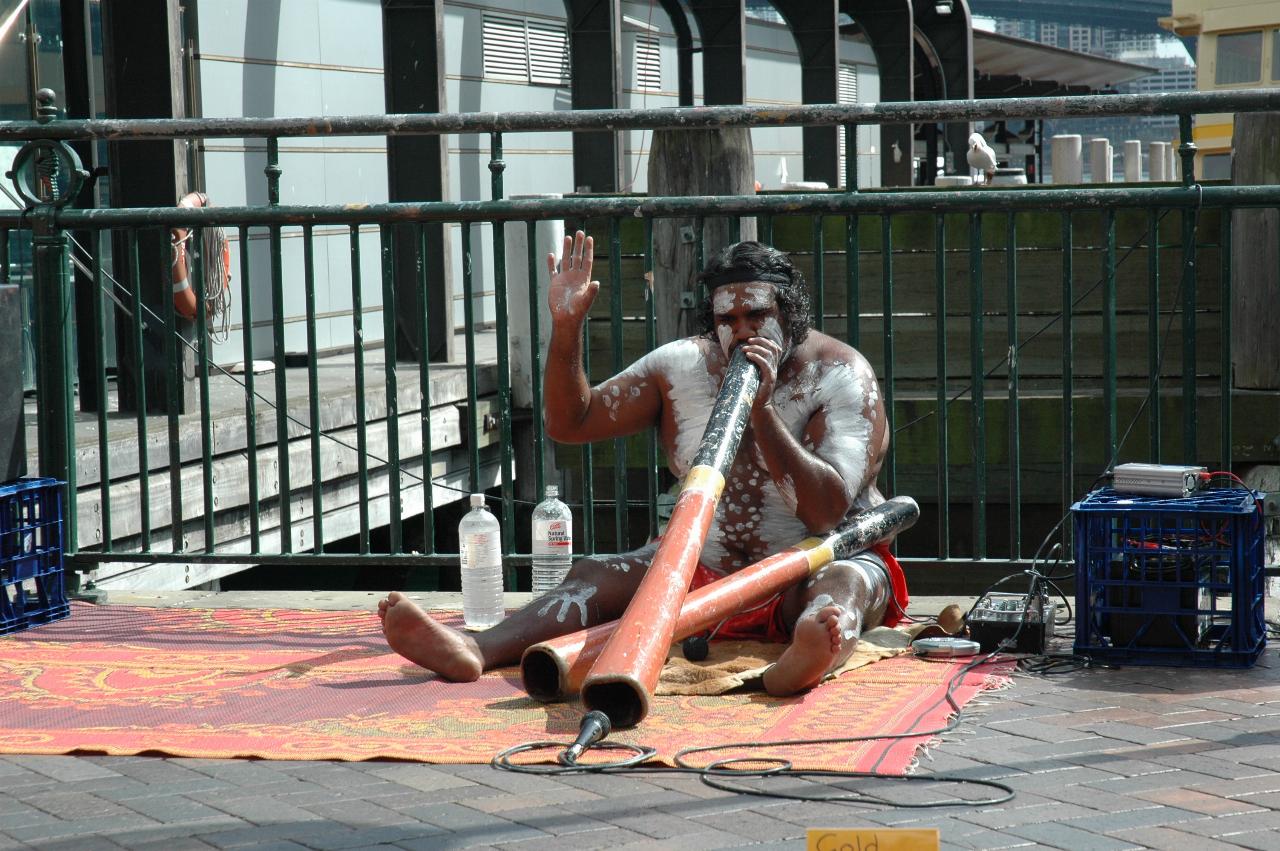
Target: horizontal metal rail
[
  {"x": 1028, "y": 199},
  {"x": 813, "y": 115}
]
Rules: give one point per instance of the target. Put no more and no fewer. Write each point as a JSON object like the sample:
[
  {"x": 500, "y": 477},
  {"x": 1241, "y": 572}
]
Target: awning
[{"x": 1004, "y": 66}]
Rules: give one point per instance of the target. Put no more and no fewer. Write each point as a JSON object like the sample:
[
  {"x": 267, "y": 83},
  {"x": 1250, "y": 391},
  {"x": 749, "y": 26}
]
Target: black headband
[{"x": 742, "y": 275}]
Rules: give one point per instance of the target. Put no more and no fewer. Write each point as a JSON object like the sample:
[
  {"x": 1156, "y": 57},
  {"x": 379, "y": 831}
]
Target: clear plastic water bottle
[
  {"x": 480, "y": 544},
  {"x": 552, "y": 542}
]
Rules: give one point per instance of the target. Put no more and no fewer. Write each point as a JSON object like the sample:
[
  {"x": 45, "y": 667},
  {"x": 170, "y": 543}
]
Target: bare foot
[
  {"x": 815, "y": 644},
  {"x": 413, "y": 634}
]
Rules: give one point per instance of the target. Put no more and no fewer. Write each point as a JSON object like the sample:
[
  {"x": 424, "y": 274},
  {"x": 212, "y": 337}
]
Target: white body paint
[
  {"x": 568, "y": 599},
  {"x": 835, "y": 389}
]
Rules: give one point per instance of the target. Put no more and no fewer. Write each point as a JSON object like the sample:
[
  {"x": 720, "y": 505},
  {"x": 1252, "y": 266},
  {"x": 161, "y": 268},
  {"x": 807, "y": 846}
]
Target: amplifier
[
  {"x": 1167, "y": 480},
  {"x": 1025, "y": 620}
]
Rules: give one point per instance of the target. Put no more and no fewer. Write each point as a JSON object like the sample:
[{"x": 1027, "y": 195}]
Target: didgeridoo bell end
[{"x": 623, "y": 698}]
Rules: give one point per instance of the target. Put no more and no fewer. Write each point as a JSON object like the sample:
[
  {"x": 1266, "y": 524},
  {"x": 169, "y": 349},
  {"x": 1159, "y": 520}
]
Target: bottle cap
[
  {"x": 477, "y": 500},
  {"x": 553, "y": 491}
]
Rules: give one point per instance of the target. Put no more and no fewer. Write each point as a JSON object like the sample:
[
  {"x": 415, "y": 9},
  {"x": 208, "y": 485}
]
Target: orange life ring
[{"x": 184, "y": 295}]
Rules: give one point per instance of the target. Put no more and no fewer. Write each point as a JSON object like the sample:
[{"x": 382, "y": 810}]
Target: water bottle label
[
  {"x": 481, "y": 550},
  {"x": 556, "y": 534}
]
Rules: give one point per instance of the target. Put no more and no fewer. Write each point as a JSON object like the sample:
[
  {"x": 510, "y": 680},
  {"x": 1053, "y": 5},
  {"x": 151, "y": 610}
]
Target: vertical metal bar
[
  {"x": 282, "y": 391},
  {"x": 362, "y": 440},
  {"x": 469, "y": 323},
  {"x": 944, "y": 461},
  {"x": 1153, "y": 332},
  {"x": 505, "y": 448},
  {"x": 1109, "y": 400},
  {"x": 850, "y": 158},
  {"x": 206, "y": 416},
  {"x": 313, "y": 389},
  {"x": 1015, "y": 431},
  {"x": 535, "y": 359},
  {"x": 886, "y": 250},
  {"x": 1186, "y": 151},
  {"x": 1189, "y": 411},
  {"x": 1068, "y": 428},
  {"x": 699, "y": 248},
  {"x": 250, "y": 395},
  {"x": 144, "y": 454},
  {"x": 976, "y": 376},
  {"x": 588, "y": 452},
  {"x": 100, "y": 362},
  {"x": 853, "y": 281},
  {"x": 764, "y": 223},
  {"x": 651, "y": 343},
  {"x": 735, "y": 229},
  {"x": 1190, "y": 218},
  {"x": 392, "y": 387},
  {"x": 819, "y": 270},
  {"x": 615, "y": 326},
  {"x": 1225, "y": 346},
  {"x": 273, "y": 171},
  {"x": 174, "y": 393},
  {"x": 55, "y": 391},
  {"x": 588, "y": 458},
  {"x": 424, "y": 389}
]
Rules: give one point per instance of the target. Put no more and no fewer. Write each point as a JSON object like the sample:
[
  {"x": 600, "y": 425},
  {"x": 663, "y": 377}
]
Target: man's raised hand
[{"x": 572, "y": 291}]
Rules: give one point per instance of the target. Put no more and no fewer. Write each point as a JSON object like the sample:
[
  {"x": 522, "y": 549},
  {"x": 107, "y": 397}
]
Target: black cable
[
  {"x": 1048, "y": 664},
  {"x": 716, "y": 773}
]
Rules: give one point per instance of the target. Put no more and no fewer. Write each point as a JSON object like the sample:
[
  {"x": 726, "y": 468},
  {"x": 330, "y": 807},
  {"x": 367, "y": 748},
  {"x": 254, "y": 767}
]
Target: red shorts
[{"x": 766, "y": 623}]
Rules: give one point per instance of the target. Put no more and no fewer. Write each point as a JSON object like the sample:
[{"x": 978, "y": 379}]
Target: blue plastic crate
[
  {"x": 31, "y": 574},
  {"x": 1170, "y": 581}
]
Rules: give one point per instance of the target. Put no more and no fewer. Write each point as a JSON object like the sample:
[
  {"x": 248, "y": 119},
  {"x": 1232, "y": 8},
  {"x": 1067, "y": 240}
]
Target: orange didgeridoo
[
  {"x": 626, "y": 671},
  {"x": 556, "y": 668}
]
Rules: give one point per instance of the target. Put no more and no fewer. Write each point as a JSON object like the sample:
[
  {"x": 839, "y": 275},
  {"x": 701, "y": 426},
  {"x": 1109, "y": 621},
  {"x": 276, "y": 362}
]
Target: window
[
  {"x": 1239, "y": 58},
  {"x": 1275, "y": 54},
  {"x": 648, "y": 64},
  {"x": 846, "y": 92},
  {"x": 548, "y": 55},
  {"x": 528, "y": 51},
  {"x": 1216, "y": 167}
]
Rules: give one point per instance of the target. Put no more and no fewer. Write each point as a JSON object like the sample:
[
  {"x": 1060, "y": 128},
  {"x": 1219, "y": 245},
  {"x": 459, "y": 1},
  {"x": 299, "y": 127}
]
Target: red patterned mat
[{"x": 277, "y": 684}]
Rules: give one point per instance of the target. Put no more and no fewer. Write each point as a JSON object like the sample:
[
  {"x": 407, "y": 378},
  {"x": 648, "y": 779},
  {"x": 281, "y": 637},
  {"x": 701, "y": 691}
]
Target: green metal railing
[{"x": 992, "y": 219}]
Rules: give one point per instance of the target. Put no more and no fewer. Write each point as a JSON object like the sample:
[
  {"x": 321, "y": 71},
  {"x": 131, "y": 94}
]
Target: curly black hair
[{"x": 755, "y": 261}]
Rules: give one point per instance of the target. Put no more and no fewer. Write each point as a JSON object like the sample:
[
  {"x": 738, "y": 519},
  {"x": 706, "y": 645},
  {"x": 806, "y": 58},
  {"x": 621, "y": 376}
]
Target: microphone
[{"x": 595, "y": 726}]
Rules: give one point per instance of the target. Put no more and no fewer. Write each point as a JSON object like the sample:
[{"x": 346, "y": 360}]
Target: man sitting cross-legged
[{"x": 808, "y": 458}]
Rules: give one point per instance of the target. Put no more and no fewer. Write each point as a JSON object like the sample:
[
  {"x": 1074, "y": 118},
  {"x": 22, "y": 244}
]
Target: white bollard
[
  {"x": 1100, "y": 160},
  {"x": 1067, "y": 164},
  {"x": 1132, "y": 161},
  {"x": 549, "y": 236},
  {"x": 1157, "y": 161},
  {"x": 1171, "y": 170}
]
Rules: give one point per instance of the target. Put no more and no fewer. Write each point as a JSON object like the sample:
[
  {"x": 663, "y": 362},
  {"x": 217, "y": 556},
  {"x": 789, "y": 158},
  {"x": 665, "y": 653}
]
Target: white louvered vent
[
  {"x": 846, "y": 92},
  {"x": 648, "y": 64},
  {"x": 506, "y": 52},
  {"x": 847, "y": 84},
  {"x": 548, "y": 54}
]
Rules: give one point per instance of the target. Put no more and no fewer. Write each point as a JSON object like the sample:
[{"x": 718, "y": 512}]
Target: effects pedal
[{"x": 1025, "y": 621}]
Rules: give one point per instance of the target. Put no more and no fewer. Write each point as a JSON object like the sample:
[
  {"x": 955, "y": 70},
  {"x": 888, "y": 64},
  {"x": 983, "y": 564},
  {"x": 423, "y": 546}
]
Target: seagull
[{"x": 982, "y": 157}]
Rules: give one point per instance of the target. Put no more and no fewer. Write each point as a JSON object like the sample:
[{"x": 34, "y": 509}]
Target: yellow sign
[{"x": 871, "y": 839}]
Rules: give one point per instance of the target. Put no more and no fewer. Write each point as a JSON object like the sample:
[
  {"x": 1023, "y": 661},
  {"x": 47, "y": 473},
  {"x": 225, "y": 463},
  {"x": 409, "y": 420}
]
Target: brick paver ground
[{"x": 1100, "y": 759}]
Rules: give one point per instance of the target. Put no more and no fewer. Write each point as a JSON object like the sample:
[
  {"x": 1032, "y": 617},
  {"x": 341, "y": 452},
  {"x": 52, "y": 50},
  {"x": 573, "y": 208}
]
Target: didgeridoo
[
  {"x": 623, "y": 677},
  {"x": 556, "y": 668}
]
